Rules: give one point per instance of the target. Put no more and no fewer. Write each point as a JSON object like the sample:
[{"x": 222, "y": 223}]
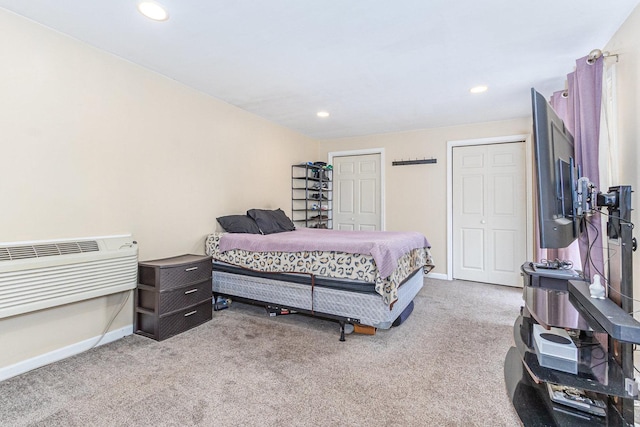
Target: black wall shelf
[{"x": 413, "y": 162}]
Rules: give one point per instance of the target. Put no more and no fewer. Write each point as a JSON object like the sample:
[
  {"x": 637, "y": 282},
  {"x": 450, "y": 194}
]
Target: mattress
[
  {"x": 364, "y": 307},
  {"x": 329, "y": 264}
]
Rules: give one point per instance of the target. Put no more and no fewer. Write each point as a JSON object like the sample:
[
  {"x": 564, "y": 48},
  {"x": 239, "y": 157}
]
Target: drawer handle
[
  {"x": 191, "y": 313},
  {"x": 191, "y": 269},
  {"x": 191, "y": 291}
]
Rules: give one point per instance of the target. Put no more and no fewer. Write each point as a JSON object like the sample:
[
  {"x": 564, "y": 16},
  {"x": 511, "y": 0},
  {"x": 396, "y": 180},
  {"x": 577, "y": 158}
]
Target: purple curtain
[
  {"x": 587, "y": 105},
  {"x": 580, "y": 111}
]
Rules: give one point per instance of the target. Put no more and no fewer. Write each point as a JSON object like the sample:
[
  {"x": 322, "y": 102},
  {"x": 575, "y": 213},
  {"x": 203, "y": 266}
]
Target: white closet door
[
  {"x": 357, "y": 192},
  {"x": 489, "y": 212}
]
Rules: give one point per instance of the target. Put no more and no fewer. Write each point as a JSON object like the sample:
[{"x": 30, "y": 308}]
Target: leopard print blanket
[{"x": 326, "y": 263}]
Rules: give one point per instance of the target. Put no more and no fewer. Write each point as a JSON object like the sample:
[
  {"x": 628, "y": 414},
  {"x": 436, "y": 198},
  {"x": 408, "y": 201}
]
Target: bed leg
[
  {"x": 215, "y": 301},
  {"x": 341, "y": 330}
]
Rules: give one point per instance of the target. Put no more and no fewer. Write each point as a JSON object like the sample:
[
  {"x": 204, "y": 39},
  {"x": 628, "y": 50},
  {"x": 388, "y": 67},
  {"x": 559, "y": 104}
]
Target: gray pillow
[
  {"x": 271, "y": 221},
  {"x": 238, "y": 224}
]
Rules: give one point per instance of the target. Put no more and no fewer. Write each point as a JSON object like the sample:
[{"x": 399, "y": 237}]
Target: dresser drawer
[
  {"x": 174, "y": 323},
  {"x": 174, "y": 299},
  {"x": 175, "y": 272}
]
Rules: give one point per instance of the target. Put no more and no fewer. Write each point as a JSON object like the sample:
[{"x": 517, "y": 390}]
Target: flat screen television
[{"x": 556, "y": 176}]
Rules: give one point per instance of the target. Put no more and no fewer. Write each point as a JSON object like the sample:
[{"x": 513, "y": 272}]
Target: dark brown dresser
[{"x": 173, "y": 295}]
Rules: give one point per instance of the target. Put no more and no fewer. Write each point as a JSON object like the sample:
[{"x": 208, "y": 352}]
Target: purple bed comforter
[{"x": 386, "y": 247}]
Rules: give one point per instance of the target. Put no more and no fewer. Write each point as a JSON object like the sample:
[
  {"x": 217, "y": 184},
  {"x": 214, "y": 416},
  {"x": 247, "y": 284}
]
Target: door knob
[{"x": 483, "y": 222}]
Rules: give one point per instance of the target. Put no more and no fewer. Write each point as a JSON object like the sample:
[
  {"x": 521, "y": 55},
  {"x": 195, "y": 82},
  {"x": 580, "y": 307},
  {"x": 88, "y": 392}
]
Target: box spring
[{"x": 355, "y": 302}]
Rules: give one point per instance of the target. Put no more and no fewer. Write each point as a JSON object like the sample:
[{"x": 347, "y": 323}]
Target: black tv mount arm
[
  {"x": 588, "y": 199},
  {"x": 607, "y": 199},
  {"x": 619, "y": 212}
]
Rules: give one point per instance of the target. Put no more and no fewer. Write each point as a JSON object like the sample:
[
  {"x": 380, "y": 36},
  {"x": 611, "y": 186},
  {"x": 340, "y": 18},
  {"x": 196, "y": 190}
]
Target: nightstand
[{"x": 173, "y": 295}]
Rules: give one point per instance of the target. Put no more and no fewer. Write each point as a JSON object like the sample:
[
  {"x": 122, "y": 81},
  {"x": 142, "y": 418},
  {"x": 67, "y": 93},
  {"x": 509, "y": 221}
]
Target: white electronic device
[{"x": 555, "y": 349}]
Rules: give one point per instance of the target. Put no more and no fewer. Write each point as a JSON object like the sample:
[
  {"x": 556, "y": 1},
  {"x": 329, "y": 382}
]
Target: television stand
[{"x": 604, "y": 336}]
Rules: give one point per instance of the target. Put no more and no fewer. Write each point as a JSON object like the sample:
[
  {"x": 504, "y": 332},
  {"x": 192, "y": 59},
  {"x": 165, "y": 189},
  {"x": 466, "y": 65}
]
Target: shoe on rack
[{"x": 320, "y": 186}]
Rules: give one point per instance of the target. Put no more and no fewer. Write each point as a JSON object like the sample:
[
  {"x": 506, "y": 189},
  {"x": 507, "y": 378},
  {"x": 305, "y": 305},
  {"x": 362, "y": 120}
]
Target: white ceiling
[{"x": 376, "y": 65}]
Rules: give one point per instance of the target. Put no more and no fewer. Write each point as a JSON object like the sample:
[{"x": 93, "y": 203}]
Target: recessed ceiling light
[
  {"x": 153, "y": 11},
  {"x": 323, "y": 114},
  {"x": 478, "y": 89}
]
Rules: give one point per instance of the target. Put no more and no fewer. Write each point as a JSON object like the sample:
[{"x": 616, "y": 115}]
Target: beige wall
[
  {"x": 626, "y": 43},
  {"x": 416, "y": 196},
  {"x": 93, "y": 145}
]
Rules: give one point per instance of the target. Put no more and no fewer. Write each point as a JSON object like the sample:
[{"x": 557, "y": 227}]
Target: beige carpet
[{"x": 443, "y": 367}]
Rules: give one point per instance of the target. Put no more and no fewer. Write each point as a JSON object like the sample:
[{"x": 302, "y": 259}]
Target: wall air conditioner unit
[{"x": 44, "y": 274}]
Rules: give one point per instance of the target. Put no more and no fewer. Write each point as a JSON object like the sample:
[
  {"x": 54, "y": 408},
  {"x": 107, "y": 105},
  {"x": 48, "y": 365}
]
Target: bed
[{"x": 357, "y": 277}]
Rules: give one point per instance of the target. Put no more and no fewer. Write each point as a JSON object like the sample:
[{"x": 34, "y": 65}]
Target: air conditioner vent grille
[
  {"x": 67, "y": 248},
  {"x": 50, "y": 249},
  {"x": 46, "y": 250},
  {"x": 88, "y": 246},
  {"x": 22, "y": 252}
]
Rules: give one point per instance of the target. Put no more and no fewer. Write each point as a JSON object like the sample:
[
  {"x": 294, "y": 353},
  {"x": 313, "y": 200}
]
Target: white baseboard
[
  {"x": 440, "y": 276},
  {"x": 62, "y": 353}
]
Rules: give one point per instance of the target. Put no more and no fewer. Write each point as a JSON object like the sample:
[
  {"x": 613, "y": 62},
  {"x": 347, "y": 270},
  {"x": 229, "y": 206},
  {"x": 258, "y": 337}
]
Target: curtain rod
[{"x": 595, "y": 54}]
